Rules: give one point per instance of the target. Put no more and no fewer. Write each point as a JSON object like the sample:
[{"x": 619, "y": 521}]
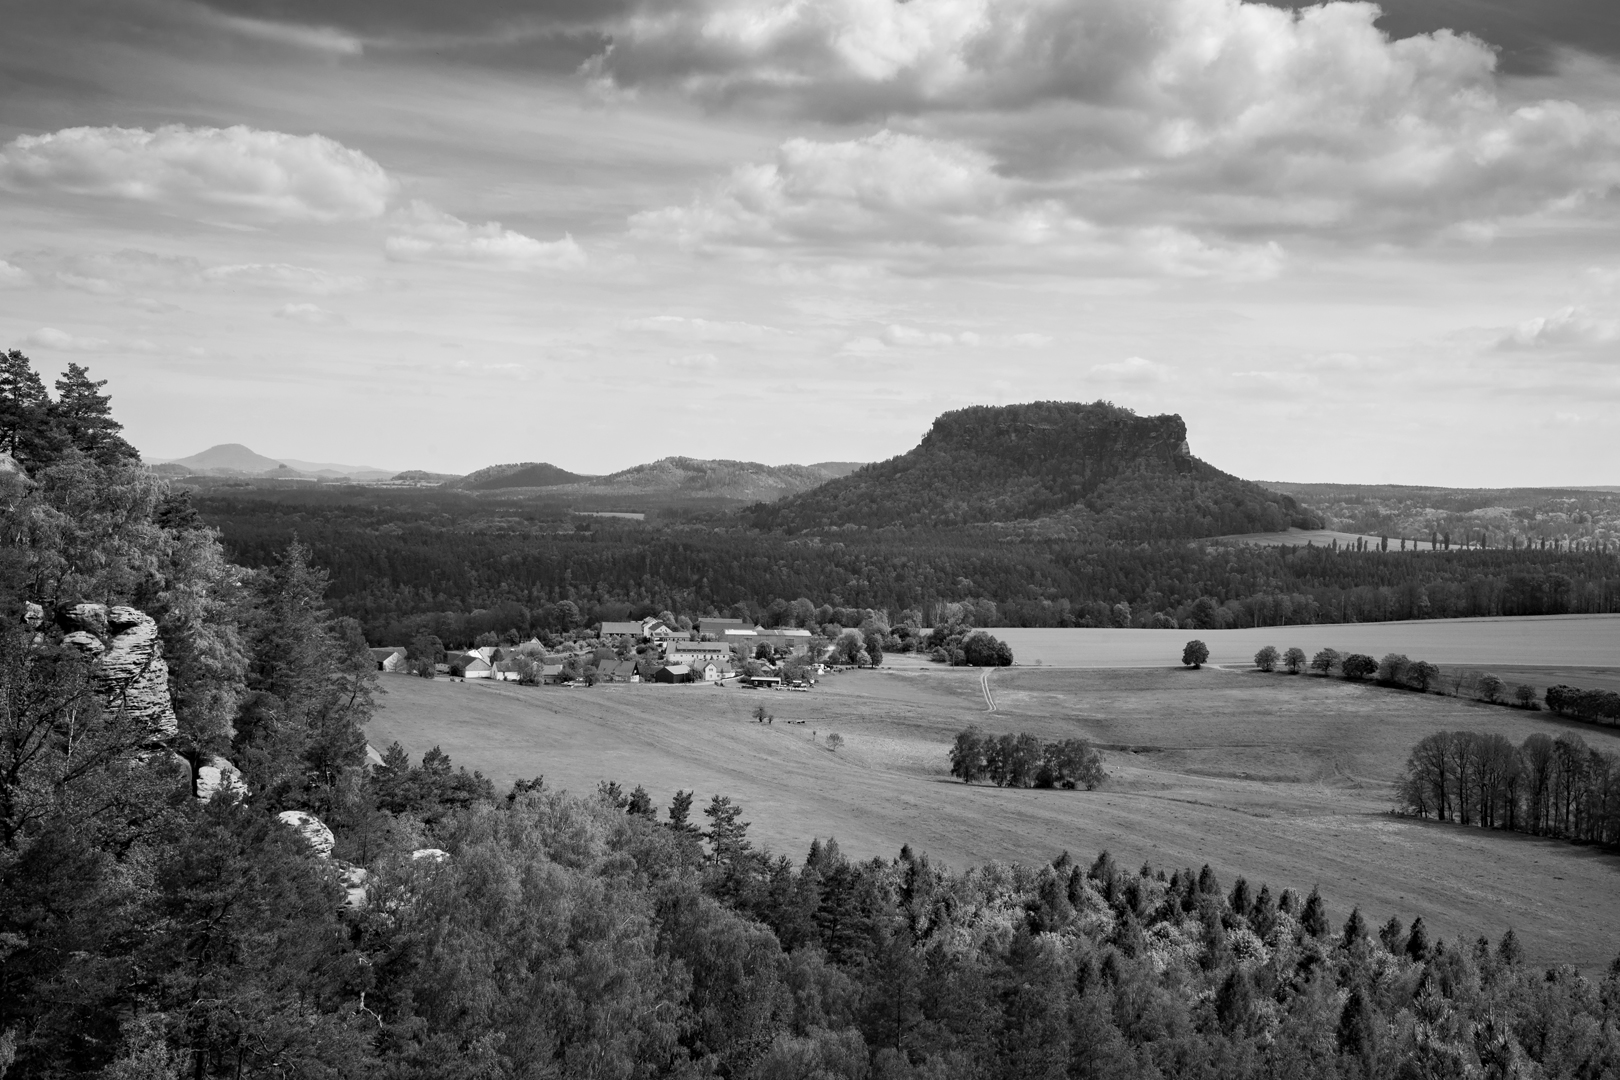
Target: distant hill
[
  {"x": 1095, "y": 471},
  {"x": 525, "y": 474},
  {"x": 744, "y": 481},
  {"x": 835, "y": 469},
  {"x": 234, "y": 458},
  {"x": 228, "y": 456}
]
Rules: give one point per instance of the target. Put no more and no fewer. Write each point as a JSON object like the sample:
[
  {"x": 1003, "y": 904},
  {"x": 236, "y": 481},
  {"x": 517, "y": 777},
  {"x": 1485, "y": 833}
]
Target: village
[{"x": 716, "y": 651}]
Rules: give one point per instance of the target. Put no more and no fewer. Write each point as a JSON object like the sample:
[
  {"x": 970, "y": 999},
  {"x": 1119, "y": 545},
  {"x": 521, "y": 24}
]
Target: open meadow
[
  {"x": 1282, "y": 779},
  {"x": 1556, "y": 641}
]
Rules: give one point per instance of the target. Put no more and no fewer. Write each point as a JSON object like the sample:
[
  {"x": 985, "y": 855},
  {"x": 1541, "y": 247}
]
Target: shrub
[
  {"x": 1266, "y": 659},
  {"x": 1325, "y": 661},
  {"x": 835, "y": 742},
  {"x": 1422, "y": 675},
  {"x": 1195, "y": 655},
  {"x": 1393, "y": 669},
  {"x": 1524, "y": 695},
  {"x": 1490, "y": 688}
]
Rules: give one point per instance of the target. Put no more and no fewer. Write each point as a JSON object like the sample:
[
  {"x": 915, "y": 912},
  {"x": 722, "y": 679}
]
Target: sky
[{"x": 1344, "y": 243}]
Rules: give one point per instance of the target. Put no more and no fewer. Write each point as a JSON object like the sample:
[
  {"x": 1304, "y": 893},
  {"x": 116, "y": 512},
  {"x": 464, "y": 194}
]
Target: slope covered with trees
[{"x": 1093, "y": 471}]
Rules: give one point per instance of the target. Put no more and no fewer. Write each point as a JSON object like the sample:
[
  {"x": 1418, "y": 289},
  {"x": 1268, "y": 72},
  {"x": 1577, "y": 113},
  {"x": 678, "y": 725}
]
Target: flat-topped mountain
[{"x": 1092, "y": 470}]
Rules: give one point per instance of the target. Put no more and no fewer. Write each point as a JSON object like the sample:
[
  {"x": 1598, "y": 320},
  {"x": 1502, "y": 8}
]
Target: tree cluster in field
[
  {"x": 1602, "y": 706},
  {"x": 960, "y": 645},
  {"x": 1546, "y": 786},
  {"x": 149, "y": 935},
  {"x": 1023, "y": 760}
]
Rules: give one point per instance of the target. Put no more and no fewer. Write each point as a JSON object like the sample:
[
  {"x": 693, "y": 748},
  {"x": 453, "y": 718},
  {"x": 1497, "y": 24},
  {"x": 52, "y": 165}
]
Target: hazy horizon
[{"x": 1344, "y": 248}]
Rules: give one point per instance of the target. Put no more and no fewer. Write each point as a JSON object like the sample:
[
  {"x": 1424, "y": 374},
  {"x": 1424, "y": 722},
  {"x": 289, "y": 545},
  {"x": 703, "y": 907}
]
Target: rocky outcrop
[
  {"x": 131, "y": 675},
  {"x": 430, "y": 855},
  {"x": 215, "y": 775},
  {"x": 312, "y": 829}
]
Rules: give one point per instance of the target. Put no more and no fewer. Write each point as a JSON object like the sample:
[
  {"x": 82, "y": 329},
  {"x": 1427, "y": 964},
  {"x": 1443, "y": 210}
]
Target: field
[
  {"x": 1555, "y": 641},
  {"x": 1281, "y": 779},
  {"x": 1321, "y": 538}
]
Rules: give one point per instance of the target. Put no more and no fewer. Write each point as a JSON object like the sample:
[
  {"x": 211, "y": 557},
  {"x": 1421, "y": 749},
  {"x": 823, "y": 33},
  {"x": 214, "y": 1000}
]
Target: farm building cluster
[{"x": 650, "y": 650}]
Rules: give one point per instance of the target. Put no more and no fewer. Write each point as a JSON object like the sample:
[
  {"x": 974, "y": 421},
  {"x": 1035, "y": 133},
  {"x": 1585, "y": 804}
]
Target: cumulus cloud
[
  {"x": 13, "y": 276},
  {"x": 48, "y": 337},
  {"x": 696, "y": 329},
  {"x": 1569, "y": 327},
  {"x": 264, "y": 174},
  {"x": 1211, "y": 118},
  {"x": 1133, "y": 369},
  {"x": 425, "y": 233},
  {"x": 917, "y": 200},
  {"x": 313, "y": 314}
]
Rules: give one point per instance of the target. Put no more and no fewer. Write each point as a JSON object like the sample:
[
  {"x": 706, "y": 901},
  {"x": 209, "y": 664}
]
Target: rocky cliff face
[{"x": 131, "y": 675}]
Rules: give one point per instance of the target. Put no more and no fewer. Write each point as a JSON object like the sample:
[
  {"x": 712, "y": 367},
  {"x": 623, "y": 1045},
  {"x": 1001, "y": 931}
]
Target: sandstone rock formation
[
  {"x": 430, "y": 854},
  {"x": 312, "y": 829},
  {"x": 353, "y": 880},
  {"x": 130, "y": 672},
  {"x": 216, "y": 775}
]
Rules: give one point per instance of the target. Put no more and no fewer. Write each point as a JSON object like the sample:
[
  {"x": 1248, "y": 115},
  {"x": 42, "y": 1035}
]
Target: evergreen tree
[
  {"x": 84, "y": 415},
  {"x": 1314, "y": 919},
  {"x": 29, "y": 430}
]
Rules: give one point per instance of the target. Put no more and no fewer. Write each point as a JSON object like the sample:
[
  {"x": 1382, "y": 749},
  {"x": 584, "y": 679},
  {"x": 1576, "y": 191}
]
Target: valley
[{"x": 1278, "y": 779}]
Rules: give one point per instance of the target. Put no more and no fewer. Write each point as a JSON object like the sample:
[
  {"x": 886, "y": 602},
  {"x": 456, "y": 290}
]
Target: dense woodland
[
  {"x": 402, "y": 560},
  {"x": 149, "y": 935}
]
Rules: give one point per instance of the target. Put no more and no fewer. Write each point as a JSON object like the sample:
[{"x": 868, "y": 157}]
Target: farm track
[{"x": 984, "y": 684}]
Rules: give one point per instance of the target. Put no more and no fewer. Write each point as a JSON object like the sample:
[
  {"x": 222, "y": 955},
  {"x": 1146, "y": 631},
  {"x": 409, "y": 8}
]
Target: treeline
[
  {"x": 1602, "y": 706},
  {"x": 471, "y": 569},
  {"x": 1546, "y": 786},
  {"x": 1023, "y": 760}
]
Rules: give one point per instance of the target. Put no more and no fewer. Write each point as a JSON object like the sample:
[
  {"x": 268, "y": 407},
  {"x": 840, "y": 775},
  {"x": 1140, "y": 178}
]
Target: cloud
[
  {"x": 1134, "y": 369},
  {"x": 282, "y": 276},
  {"x": 13, "y": 276},
  {"x": 1569, "y": 327},
  {"x": 1205, "y": 118},
  {"x": 918, "y": 202},
  {"x": 312, "y": 314},
  {"x": 48, "y": 337},
  {"x": 319, "y": 39},
  {"x": 425, "y": 233},
  {"x": 263, "y": 174},
  {"x": 694, "y": 329}
]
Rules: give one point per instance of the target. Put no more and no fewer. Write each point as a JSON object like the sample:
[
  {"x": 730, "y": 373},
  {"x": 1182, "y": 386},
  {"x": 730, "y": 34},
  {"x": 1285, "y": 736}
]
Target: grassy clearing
[
  {"x": 1281, "y": 779},
  {"x": 1591, "y": 641}
]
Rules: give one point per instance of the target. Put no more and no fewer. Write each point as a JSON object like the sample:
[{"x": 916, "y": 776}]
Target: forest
[
  {"x": 406, "y": 561},
  {"x": 429, "y": 926}
]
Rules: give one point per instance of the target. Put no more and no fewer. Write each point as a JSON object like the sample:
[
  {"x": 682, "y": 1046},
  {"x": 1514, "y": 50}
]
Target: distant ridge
[
  {"x": 1095, "y": 471},
  {"x": 234, "y": 458},
  {"x": 525, "y": 474}
]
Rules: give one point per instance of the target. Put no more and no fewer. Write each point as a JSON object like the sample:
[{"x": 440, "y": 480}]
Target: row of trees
[
  {"x": 1602, "y": 706},
  {"x": 1023, "y": 760},
  {"x": 1545, "y": 786}
]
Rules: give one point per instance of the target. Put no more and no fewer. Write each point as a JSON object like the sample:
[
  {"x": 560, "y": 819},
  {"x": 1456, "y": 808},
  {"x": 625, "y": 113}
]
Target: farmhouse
[
  {"x": 673, "y": 673},
  {"x": 698, "y": 652},
  {"x": 621, "y": 631},
  {"x": 470, "y": 666},
  {"x": 389, "y": 659},
  {"x": 716, "y": 627}
]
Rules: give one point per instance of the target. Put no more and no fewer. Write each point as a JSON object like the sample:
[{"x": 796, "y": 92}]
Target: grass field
[
  {"x": 1321, "y": 538},
  {"x": 1283, "y": 780},
  {"x": 1579, "y": 641}
]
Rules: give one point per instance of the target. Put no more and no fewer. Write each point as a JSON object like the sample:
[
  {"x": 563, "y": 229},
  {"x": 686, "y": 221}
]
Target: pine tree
[
  {"x": 84, "y": 415},
  {"x": 1314, "y": 919},
  {"x": 1417, "y": 941},
  {"x": 29, "y": 430}
]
